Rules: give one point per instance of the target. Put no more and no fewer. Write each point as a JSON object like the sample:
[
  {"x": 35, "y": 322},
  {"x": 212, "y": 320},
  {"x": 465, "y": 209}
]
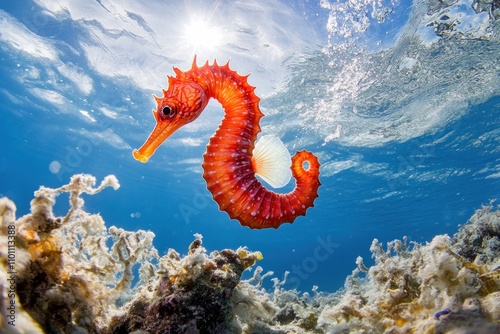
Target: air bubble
[{"x": 55, "y": 167}]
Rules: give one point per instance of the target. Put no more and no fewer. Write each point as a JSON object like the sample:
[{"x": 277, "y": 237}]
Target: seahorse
[{"x": 233, "y": 158}]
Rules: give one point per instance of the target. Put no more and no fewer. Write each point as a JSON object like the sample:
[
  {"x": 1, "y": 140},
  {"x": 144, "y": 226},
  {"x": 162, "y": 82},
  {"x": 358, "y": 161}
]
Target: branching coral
[
  {"x": 412, "y": 288},
  {"x": 406, "y": 289},
  {"x": 72, "y": 280}
]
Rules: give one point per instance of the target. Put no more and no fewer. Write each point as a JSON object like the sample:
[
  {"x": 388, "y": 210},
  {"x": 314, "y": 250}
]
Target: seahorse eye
[{"x": 168, "y": 112}]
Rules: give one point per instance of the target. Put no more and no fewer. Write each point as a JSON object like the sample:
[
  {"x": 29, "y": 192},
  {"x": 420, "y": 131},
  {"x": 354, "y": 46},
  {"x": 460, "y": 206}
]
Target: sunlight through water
[{"x": 200, "y": 33}]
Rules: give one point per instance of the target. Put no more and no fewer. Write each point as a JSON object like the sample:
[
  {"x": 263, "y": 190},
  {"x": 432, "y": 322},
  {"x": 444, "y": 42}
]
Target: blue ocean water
[{"x": 400, "y": 102}]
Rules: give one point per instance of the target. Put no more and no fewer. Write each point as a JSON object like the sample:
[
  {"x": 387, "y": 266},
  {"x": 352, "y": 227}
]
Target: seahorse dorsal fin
[{"x": 271, "y": 161}]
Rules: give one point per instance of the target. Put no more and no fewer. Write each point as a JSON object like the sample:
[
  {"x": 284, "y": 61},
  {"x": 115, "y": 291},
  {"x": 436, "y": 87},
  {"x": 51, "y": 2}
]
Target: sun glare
[{"x": 201, "y": 34}]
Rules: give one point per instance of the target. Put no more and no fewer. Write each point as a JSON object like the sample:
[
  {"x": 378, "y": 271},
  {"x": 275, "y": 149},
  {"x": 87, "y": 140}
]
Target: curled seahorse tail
[
  {"x": 244, "y": 198},
  {"x": 276, "y": 209},
  {"x": 305, "y": 170}
]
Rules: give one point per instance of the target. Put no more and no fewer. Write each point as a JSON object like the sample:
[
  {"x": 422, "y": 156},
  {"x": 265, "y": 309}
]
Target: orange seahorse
[{"x": 231, "y": 160}]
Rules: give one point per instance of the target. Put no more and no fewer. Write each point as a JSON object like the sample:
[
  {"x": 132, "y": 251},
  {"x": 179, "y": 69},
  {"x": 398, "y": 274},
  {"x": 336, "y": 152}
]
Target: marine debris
[{"x": 71, "y": 274}]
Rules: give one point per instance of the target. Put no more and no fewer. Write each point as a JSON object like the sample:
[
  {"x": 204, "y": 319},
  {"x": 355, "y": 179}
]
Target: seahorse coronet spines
[
  {"x": 194, "y": 66},
  {"x": 226, "y": 66},
  {"x": 171, "y": 80},
  {"x": 178, "y": 72}
]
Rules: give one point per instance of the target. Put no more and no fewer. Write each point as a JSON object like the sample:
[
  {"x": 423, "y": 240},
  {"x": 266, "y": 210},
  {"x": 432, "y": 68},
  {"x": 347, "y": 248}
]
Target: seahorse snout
[{"x": 140, "y": 157}]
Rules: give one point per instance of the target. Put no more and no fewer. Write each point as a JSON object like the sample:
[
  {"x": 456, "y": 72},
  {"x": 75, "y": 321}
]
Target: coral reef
[
  {"x": 69, "y": 281},
  {"x": 416, "y": 291},
  {"x": 71, "y": 274},
  {"x": 13, "y": 260},
  {"x": 450, "y": 285},
  {"x": 191, "y": 295}
]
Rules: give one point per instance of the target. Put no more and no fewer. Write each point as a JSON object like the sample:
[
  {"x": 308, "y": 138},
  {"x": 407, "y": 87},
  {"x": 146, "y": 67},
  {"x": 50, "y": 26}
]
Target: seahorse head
[{"x": 181, "y": 104}]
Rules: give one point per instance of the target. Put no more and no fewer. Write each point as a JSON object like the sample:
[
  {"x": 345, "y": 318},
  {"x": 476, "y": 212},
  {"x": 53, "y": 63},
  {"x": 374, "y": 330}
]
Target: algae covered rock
[
  {"x": 192, "y": 294},
  {"x": 479, "y": 241}
]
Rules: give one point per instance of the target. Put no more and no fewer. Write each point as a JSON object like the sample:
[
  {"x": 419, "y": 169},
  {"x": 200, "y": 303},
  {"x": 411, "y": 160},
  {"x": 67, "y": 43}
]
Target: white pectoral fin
[{"x": 272, "y": 161}]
